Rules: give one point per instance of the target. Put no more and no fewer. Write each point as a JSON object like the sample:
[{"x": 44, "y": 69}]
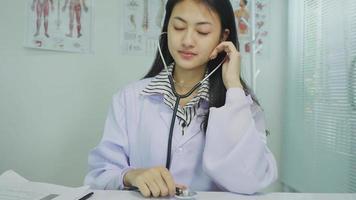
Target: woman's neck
[{"x": 188, "y": 78}]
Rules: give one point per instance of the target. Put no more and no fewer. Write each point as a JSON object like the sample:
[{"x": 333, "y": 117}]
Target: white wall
[
  {"x": 270, "y": 83},
  {"x": 53, "y": 104}
]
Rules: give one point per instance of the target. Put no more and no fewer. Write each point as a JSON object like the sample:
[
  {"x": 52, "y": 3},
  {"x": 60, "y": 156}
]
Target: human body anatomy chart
[
  {"x": 62, "y": 25},
  {"x": 243, "y": 24},
  {"x": 141, "y": 25}
]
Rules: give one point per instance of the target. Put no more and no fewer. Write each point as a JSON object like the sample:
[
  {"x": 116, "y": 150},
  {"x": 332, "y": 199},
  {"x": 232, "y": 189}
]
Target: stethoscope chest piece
[{"x": 186, "y": 194}]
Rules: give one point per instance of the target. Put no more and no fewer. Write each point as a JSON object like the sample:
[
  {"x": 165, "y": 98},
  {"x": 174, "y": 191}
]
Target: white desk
[{"x": 130, "y": 195}]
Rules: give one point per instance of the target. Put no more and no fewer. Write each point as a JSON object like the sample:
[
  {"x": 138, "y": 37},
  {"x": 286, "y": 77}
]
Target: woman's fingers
[
  {"x": 154, "y": 188},
  {"x": 156, "y": 181},
  {"x": 145, "y": 191},
  {"x": 231, "y": 66},
  {"x": 168, "y": 180},
  {"x": 227, "y": 47},
  {"x": 163, "y": 189},
  {"x": 183, "y": 187}
]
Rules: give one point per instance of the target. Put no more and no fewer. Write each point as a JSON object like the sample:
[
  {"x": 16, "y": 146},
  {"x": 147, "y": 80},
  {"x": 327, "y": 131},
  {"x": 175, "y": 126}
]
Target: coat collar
[{"x": 160, "y": 86}]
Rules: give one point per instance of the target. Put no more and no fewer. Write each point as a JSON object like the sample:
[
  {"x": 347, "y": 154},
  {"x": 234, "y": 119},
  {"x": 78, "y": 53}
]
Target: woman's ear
[{"x": 225, "y": 34}]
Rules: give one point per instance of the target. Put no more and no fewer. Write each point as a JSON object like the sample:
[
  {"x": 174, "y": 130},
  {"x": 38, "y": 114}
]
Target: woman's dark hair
[
  {"x": 217, "y": 92},
  {"x": 245, "y": 2}
]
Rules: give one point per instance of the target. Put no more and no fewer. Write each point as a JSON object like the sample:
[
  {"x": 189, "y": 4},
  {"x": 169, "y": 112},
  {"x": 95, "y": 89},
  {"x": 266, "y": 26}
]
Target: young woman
[{"x": 219, "y": 140}]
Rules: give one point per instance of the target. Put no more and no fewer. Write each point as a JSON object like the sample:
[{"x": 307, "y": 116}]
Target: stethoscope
[{"x": 178, "y": 97}]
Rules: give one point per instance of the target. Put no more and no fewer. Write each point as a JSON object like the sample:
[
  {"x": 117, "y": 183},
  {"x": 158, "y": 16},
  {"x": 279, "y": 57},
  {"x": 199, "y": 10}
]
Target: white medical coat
[{"x": 231, "y": 156}]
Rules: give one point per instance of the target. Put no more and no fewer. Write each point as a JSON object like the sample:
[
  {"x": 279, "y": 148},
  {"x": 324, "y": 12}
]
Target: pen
[{"x": 87, "y": 196}]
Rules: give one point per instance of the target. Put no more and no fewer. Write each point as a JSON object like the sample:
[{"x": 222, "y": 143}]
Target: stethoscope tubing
[
  {"x": 175, "y": 110},
  {"x": 178, "y": 97}
]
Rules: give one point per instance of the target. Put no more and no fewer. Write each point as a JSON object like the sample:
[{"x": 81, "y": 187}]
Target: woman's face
[{"x": 193, "y": 32}]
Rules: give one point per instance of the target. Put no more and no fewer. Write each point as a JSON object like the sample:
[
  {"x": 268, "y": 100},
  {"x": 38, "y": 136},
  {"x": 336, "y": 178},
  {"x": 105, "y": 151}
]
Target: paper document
[{"x": 15, "y": 187}]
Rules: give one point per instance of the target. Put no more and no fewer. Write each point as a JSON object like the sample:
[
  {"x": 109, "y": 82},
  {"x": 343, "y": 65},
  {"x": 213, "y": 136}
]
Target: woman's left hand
[{"x": 231, "y": 67}]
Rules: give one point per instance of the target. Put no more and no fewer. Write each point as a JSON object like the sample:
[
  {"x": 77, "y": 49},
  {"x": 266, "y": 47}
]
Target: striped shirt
[{"x": 160, "y": 85}]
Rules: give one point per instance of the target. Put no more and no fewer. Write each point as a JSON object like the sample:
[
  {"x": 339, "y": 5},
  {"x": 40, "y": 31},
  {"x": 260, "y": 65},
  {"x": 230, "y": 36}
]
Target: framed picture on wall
[
  {"x": 60, "y": 25},
  {"x": 141, "y": 24}
]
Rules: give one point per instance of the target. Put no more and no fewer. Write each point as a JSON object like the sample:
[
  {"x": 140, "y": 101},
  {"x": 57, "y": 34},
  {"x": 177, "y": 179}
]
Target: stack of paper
[{"x": 15, "y": 187}]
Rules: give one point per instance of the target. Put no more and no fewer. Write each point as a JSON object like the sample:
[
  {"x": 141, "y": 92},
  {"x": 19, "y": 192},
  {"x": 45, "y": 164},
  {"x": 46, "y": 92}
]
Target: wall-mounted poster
[
  {"x": 60, "y": 25},
  {"x": 242, "y": 16},
  {"x": 141, "y": 25},
  {"x": 242, "y": 11},
  {"x": 263, "y": 20},
  {"x": 142, "y": 22}
]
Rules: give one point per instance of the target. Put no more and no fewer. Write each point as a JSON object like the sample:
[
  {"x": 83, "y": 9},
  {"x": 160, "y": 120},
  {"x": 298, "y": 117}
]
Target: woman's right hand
[{"x": 157, "y": 181}]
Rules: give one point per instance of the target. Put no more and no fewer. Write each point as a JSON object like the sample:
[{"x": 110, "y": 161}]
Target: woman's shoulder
[{"x": 134, "y": 88}]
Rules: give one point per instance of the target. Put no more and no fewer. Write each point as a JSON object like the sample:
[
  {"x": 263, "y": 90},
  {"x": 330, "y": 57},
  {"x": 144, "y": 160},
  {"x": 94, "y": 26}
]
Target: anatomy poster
[
  {"x": 242, "y": 11},
  {"x": 263, "y": 13},
  {"x": 242, "y": 16},
  {"x": 60, "y": 25},
  {"x": 141, "y": 22}
]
